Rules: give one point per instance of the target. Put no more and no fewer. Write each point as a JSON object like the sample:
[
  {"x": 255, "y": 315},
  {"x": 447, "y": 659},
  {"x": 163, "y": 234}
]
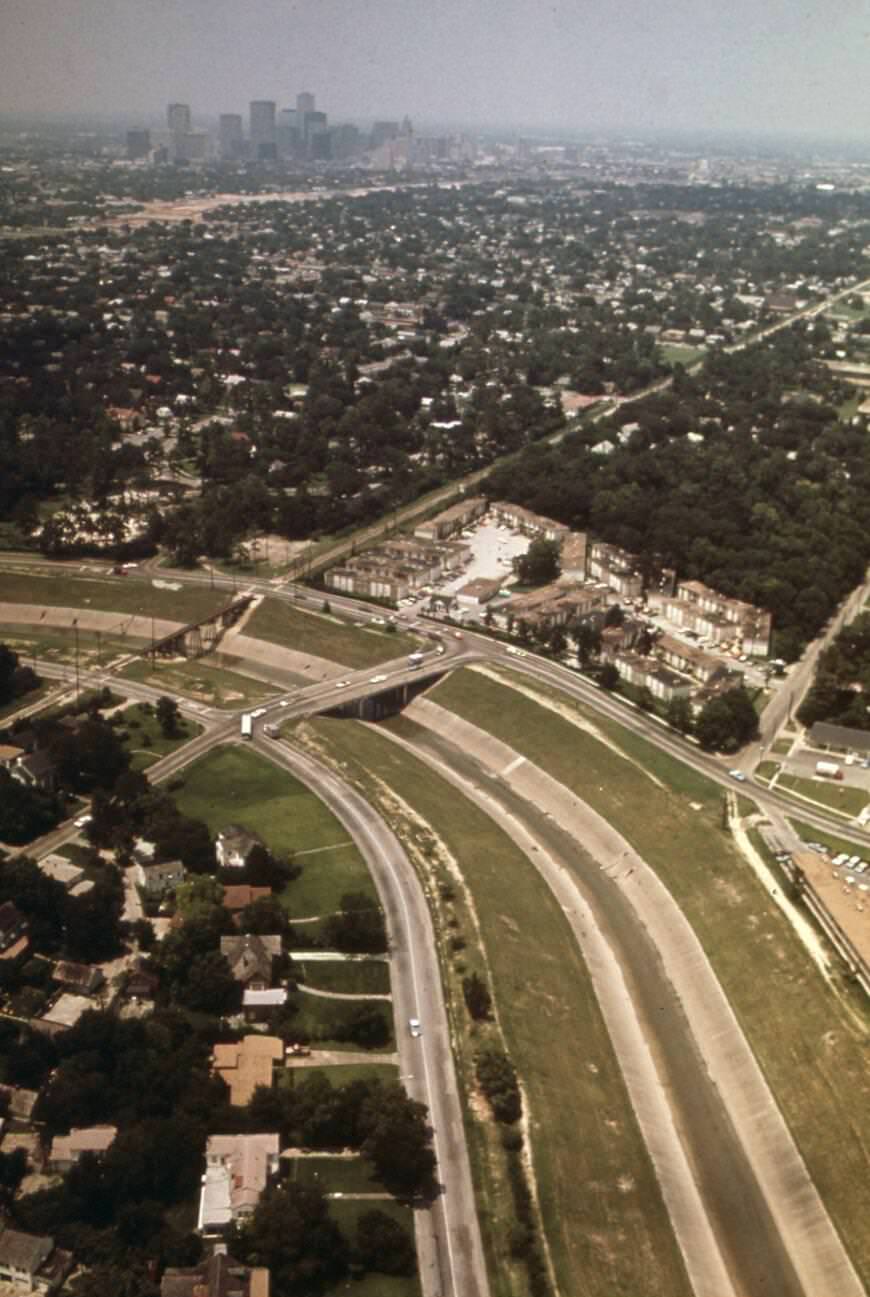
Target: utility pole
[{"x": 76, "y": 630}]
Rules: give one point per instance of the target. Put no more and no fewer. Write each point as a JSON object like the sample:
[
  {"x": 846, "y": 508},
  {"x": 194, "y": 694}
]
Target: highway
[{"x": 448, "y": 1238}]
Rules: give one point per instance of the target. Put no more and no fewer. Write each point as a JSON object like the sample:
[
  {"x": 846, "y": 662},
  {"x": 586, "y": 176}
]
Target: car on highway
[
  {"x": 285, "y": 702},
  {"x": 341, "y": 684},
  {"x": 376, "y": 680},
  {"x": 415, "y": 1027},
  {"x": 457, "y": 634},
  {"x": 83, "y": 821},
  {"x": 515, "y": 652},
  {"x": 738, "y": 775}
]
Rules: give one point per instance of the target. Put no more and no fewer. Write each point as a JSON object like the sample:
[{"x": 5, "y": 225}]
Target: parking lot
[{"x": 492, "y": 550}]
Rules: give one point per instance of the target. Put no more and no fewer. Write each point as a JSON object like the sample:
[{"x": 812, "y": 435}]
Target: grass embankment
[
  {"x": 834, "y": 796},
  {"x": 145, "y": 740},
  {"x": 131, "y": 595},
  {"x": 834, "y": 845},
  {"x": 233, "y": 784},
  {"x": 809, "y": 1042},
  {"x": 606, "y": 1224},
  {"x": 327, "y": 636},
  {"x": 201, "y": 681},
  {"x": 44, "y": 644}
]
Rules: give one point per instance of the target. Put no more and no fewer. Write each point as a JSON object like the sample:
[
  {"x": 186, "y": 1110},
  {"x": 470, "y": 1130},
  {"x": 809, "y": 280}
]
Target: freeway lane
[{"x": 450, "y": 1248}]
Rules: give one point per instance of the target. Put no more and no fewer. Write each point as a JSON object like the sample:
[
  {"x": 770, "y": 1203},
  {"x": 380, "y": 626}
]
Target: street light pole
[{"x": 76, "y": 630}]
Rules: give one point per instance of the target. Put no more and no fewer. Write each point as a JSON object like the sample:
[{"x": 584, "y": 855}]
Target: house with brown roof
[
  {"x": 67, "y": 1149},
  {"x": 218, "y": 1276},
  {"x": 250, "y": 958},
  {"x": 247, "y": 1063},
  {"x": 238, "y": 896},
  {"x": 77, "y": 977}
]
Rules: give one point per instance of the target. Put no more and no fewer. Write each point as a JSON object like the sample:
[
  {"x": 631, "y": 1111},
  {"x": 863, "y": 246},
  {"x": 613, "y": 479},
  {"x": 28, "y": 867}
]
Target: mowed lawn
[
  {"x": 234, "y": 785},
  {"x": 810, "y": 1042},
  {"x": 347, "y": 976},
  {"x": 130, "y": 595},
  {"x": 327, "y": 636},
  {"x": 145, "y": 740},
  {"x": 347, "y": 1211},
  {"x": 606, "y": 1224}
]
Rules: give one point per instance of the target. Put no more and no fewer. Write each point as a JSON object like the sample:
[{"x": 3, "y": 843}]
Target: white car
[
  {"x": 83, "y": 821},
  {"x": 376, "y": 680},
  {"x": 341, "y": 684},
  {"x": 738, "y": 775},
  {"x": 414, "y": 1026},
  {"x": 284, "y": 702}
]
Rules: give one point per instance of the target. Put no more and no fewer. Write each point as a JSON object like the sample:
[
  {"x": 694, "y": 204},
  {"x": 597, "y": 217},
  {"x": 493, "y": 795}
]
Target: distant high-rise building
[
  {"x": 190, "y": 146},
  {"x": 344, "y": 141},
  {"x": 304, "y": 103},
  {"x": 288, "y": 137},
  {"x": 178, "y": 117},
  {"x": 383, "y": 131},
  {"x": 231, "y": 139},
  {"x": 138, "y": 144},
  {"x": 262, "y": 128}
]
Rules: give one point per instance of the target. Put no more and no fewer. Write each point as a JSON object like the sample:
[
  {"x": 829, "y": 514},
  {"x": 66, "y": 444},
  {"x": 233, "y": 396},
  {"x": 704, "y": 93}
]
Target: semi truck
[
  {"x": 415, "y": 660},
  {"x": 247, "y": 725},
  {"x": 829, "y": 769}
]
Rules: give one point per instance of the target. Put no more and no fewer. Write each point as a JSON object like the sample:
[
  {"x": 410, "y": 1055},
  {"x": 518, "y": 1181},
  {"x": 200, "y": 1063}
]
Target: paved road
[
  {"x": 772, "y": 1232},
  {"x": 449, "y": 1244}
]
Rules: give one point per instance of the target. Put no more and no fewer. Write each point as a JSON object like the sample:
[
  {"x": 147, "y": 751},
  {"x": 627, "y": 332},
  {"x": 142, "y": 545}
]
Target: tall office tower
[
  {"x": 304, "y": 103},
  {"x": 178, "y": 117},
  {"x": 231, "y": 139},
  {"x": 262, "y": 128},
  {"x": 383, "y": 131},
  {"x": 288, "y": 138},
  {"x": 344, "y": 141},
  {"x": 138, "y": 144},
  {"x": 316, "y": 135}
]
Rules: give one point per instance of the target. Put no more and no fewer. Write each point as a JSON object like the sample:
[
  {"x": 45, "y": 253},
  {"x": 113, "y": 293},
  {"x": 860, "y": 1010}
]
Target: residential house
[
  {"x": 237, "y": 1170},
  {"x": 257, "y": 1005},
  {"x": 238, "y": 896},
  {"x": 9, "y": 755},
  {"x": 159, "y": 880},
  {"x": 61, "y": 870},
  {"x": 36, "y": 770},
  {"x": 141, "y": 983},
  {"x": 20, "y": 1102},
  {"x": 30, "y": 1263},
  {"x": 250, "y": 958},
  {"x": 233, "y": 846},
  {"x": 218, "y": 1276},
  {"x": 84, "y": 978},
  {"x": 247, "y": 1063},
  {"x": 67, "y": 1149},
  {"x": 64, "y": 1013}
]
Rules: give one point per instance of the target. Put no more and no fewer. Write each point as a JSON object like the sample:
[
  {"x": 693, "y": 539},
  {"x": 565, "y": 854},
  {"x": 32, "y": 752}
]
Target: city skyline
[{"x": 564, "y": 65}]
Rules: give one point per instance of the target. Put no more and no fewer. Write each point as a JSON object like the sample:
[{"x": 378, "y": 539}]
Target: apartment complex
[
  {"x": 452, "y": 520},
  {"x": 698, "y": 608},
  {"x": 531, "y": 524},
  {"x": 617, "y": 568}
]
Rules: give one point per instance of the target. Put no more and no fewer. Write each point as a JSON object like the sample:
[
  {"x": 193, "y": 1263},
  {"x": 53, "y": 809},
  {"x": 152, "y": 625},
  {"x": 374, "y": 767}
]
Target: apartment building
[
  {"x": 451, "y": 520},
  {"x": 618, "y": 568}
]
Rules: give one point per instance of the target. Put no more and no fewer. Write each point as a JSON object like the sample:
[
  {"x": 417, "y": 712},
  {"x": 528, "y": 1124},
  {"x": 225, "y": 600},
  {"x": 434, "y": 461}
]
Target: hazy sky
[{"x": 731, "y": 64}]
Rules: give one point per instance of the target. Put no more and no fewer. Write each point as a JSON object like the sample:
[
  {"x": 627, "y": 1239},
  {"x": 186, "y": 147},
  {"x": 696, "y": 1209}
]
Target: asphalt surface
[{"x": 755, "y": 1254}]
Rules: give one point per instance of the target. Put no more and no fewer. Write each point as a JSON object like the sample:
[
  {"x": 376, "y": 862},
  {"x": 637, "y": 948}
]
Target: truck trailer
[
  {"x": 415, "y": 660},
  {"x": 829, "y": 769},
  {"x": 247, "y": 725}
]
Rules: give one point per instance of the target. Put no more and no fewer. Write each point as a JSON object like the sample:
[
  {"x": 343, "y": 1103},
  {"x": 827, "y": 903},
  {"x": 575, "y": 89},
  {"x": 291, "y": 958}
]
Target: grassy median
[
  {"x": 607, "y": 1228},
  {"x": 327, "y": 636},
  {"x": 809, "y": 1040}
]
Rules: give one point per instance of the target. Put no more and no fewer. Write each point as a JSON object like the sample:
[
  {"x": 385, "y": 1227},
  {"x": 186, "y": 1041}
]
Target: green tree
[
  {"x": 609, "y": 676},
  {"x": 727, "y": 721},
  {"x": 359, "y": 926},
  {"x": 291, "y": 1232},
  {"x": 478, "y": 1000},
  {"x": 678, "y": 714},
  {"x": 540, "y": 563},
  {"x": 383, "y": 1245},
  {"x": 168, "y": 716}
]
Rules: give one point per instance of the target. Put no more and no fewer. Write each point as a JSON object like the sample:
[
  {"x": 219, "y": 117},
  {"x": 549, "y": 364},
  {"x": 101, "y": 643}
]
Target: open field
[
  {"x": 145, "y": 742},
  {"x": 782, "y": 747},
  {"x": 810, "y": 1046},
  {"x": 234, "y": 784},
  {"x": 606, "y": 1224},
  {"x": 199, "y": 679},
  {"x": 351, "y": 977},
  {"x": 130, "y": 595},
  {"x": 675, "y": 353},
  {"x": 837, "y": 796},
  {"x": 767, "y": 769},
  {"x": 326, "y": 636}
]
